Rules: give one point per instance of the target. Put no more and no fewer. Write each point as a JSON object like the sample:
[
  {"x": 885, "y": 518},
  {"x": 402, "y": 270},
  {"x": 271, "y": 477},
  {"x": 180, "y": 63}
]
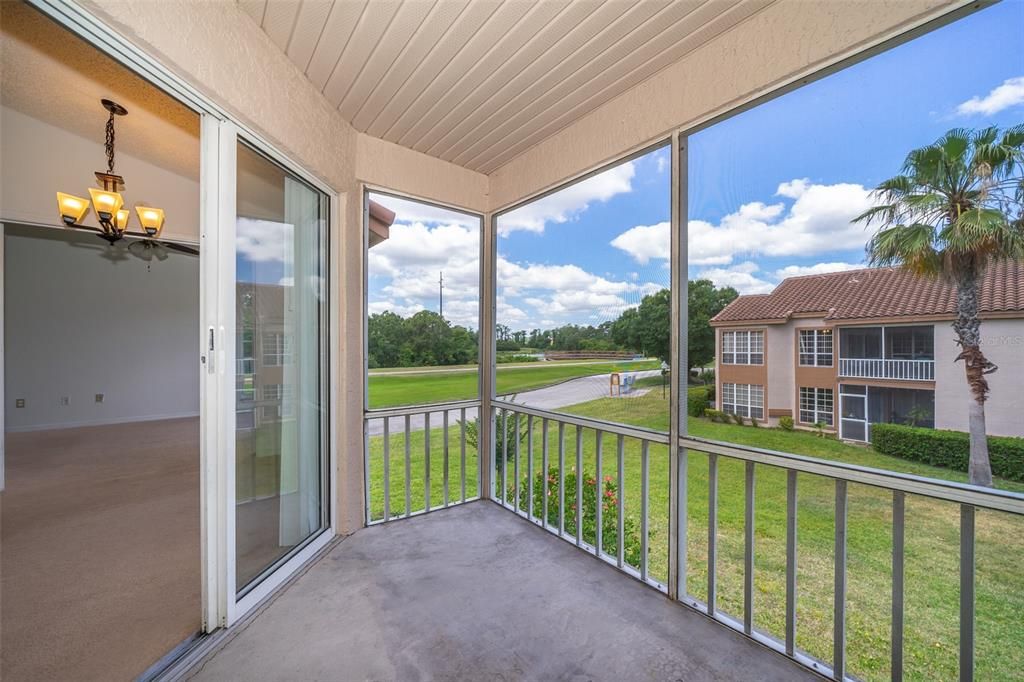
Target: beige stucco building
[{"x": 848, "y": 349}]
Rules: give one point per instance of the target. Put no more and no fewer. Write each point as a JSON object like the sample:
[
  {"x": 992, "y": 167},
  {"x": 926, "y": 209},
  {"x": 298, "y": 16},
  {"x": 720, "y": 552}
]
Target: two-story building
[{"x": 849, "y": 349}]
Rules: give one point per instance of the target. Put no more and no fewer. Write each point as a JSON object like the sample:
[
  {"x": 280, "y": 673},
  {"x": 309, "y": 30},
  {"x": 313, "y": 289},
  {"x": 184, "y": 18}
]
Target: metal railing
[
  {"x": 550, "y": 449},
  {"x": 546, "y": 465},
  {"x": 538, "y": 445},
  {"x": 437, "y": 456},
  {"x": 969, "y": 498},
  {"x": 887, "y": 368}
]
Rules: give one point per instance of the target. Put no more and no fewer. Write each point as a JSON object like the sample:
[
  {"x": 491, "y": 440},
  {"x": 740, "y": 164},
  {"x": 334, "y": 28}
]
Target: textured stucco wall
[
  {"x": 1003, "y": 343},
  {"x": 787, "y": 40},
  {"x": 388, "y": 165}
]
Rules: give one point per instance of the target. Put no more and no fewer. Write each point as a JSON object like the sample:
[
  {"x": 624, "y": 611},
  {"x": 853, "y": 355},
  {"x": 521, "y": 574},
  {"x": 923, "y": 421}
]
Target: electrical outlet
[
  {"x": 19, "y": 402},
  {"x": 65, "y": 401},
  {"x": 99, "y": 397}
]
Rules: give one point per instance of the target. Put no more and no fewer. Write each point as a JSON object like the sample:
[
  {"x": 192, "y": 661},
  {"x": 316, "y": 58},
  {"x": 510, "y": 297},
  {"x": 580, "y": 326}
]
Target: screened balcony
[{"x": 903, "y": 353}]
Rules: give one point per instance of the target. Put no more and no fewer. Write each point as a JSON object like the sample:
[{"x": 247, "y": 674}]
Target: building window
[
  {"x": 746, "y": 400},
  {"x": 284, "y": 395},
  {"x": 816, "y": 347},
  {"x": 743, "y": 348},
  {"x": 277, "y": 349},
  {"x": 816, "y": 405}
]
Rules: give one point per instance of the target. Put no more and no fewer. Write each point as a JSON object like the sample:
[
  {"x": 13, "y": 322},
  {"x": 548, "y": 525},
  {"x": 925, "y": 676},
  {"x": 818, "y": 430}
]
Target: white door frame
[
  {"x": 218, "y": 140},
  {"x": 867, "y": 422}
]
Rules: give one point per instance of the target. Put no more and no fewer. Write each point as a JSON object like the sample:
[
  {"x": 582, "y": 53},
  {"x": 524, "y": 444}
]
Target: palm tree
[{"x": 955, "y": 208}]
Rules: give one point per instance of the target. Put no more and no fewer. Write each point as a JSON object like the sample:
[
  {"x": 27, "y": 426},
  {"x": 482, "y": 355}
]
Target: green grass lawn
[
  {"x": 932, "y": 545},
  {"x": 388, "y": 390}
]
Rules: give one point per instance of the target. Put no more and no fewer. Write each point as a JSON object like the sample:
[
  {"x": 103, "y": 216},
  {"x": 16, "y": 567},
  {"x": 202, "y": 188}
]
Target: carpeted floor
[{"x": 100, "y": 549}]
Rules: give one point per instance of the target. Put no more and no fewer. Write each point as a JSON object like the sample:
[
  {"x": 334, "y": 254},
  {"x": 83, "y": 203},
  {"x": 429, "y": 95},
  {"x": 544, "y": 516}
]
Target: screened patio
[{"x": 482, "y": 535}]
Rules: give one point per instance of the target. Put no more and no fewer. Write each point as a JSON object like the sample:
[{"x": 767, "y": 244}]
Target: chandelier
[{"x": 107, "y": 202}]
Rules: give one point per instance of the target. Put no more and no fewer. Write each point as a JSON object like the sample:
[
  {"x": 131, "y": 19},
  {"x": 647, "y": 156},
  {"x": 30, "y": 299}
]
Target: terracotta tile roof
[{"x": 875, "y": 293}]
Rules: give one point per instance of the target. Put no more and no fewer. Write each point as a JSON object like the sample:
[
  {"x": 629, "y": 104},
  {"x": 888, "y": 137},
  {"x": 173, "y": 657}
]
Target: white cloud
[
  {"x": 817, "y": 221},
  {"x": 410, "y": 261},
  {"x": 1009, "y": 94},
  {"x": 816, "y": 269},
  {"x": 375, "y": 307},
  {"x": 566, "y": 204},
  {"x": 645, "y": 242},
  {"x": 263, "y": 241},
  {"x": 565, "y": 292},
  {"x": 740, "y": 277}
]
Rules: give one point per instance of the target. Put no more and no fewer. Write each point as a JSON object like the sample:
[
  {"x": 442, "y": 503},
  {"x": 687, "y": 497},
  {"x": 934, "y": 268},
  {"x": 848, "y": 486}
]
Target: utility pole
[{"x": 440, "y": 295}]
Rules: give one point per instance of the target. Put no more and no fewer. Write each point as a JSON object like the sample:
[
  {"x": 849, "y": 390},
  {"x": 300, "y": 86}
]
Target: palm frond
[{"x": 911, "y": 246}]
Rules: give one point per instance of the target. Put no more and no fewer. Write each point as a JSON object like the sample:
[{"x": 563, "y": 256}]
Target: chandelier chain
[{"x": 110, "y": 143}]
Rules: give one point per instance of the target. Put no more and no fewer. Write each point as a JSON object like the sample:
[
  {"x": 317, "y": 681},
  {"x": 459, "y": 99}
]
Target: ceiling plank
[
  {"x": 254, "y": 8},
  {"x": 578, "y": 103},
  {"x": 449, "y": 44},
  {"x": 279, "y": 19},
  {"x": 407, "y": 21},
  {"x": 341, "y": 23},
  {"x": 368, "y": 32},
  {"x": 309, "y": 27}
]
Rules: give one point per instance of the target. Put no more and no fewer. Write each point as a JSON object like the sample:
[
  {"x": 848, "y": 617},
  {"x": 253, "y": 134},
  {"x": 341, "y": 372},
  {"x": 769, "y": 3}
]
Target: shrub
[
  {"x": 697, "y": 401},
  {"x": 738, "y": 419},
  {"x": 950, "y": 449},
  {"x": 716, "y": 415},
  {"x": 753, "y": 422},
  {"x": 786, "y": 423},
  {"x": 509, "y": 424},
  {"x": 609, "y": 510},
  {"x": 502, "y": 359}
]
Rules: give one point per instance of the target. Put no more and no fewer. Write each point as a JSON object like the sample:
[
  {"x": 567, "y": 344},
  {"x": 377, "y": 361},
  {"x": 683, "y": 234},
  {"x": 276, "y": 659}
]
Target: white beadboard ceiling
[{"x": 478, "y": 82}]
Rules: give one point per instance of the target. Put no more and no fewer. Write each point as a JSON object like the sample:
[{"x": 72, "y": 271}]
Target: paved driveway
[{"x": 570, "y": 392}]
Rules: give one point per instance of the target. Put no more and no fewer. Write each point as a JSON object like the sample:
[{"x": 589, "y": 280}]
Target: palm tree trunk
[{"x": 968, "y": 329}]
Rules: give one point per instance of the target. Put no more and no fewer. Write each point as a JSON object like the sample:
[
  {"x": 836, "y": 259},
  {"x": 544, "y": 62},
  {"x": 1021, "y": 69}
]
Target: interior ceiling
[
  {"x": 478, "y": 82},
  {"x": 53, "y": 76}
]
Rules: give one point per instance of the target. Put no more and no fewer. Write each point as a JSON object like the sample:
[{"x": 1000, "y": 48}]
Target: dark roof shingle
[{"x": 876, "y": 293}]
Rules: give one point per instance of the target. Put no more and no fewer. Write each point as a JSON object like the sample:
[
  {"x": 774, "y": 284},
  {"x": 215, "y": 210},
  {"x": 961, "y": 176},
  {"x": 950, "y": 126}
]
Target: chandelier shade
[
  {"x": 72, "y": 209},
  {"x": 106, "y": 204},
  {"x": 151, "y": 219}
]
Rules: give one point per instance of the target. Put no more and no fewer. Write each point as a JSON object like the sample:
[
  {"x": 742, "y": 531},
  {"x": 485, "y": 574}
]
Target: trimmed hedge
[
  {"x": 950, "y": 449},
  {"x": 697, "y": 401}
]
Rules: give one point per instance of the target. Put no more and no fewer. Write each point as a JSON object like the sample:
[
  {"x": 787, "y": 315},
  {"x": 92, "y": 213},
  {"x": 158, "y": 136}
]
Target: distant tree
[
  {"x": 704, "y": 301},
  {"x": 654, "y": 324},
  {"x": 624, "y": 330},
  {"x": 385, "y": 337},
  {"x": 425, "y": 339},
  {"x": 647, "y": 327},
  {"x": 957, "y": 207}
]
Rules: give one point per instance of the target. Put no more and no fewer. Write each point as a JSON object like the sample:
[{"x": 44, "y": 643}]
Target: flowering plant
[{"x": 547, "y": 487}]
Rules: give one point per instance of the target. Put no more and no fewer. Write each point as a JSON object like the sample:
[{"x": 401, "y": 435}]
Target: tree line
[{"x": 427, "y": 339}]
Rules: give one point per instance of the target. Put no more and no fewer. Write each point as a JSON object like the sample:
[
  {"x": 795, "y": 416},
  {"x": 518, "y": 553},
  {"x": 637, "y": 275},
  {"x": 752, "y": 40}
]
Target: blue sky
[{"x": 771, "y": 190}]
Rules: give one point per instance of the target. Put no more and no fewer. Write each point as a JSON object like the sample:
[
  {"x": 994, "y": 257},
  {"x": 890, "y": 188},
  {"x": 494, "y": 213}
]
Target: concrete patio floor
[{"x": 474, "y": 592}]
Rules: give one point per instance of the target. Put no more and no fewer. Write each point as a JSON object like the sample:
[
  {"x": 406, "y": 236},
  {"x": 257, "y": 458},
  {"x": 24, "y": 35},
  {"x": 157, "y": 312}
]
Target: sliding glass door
[{"x": 281, "y": 362}]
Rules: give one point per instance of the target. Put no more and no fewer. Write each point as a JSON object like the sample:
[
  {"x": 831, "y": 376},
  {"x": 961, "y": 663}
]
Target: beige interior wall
[{"x": 787, "y": 40}]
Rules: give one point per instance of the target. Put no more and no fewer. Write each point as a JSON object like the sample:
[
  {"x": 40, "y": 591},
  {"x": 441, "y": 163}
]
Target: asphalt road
[{"x": 570, "y": 392}]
